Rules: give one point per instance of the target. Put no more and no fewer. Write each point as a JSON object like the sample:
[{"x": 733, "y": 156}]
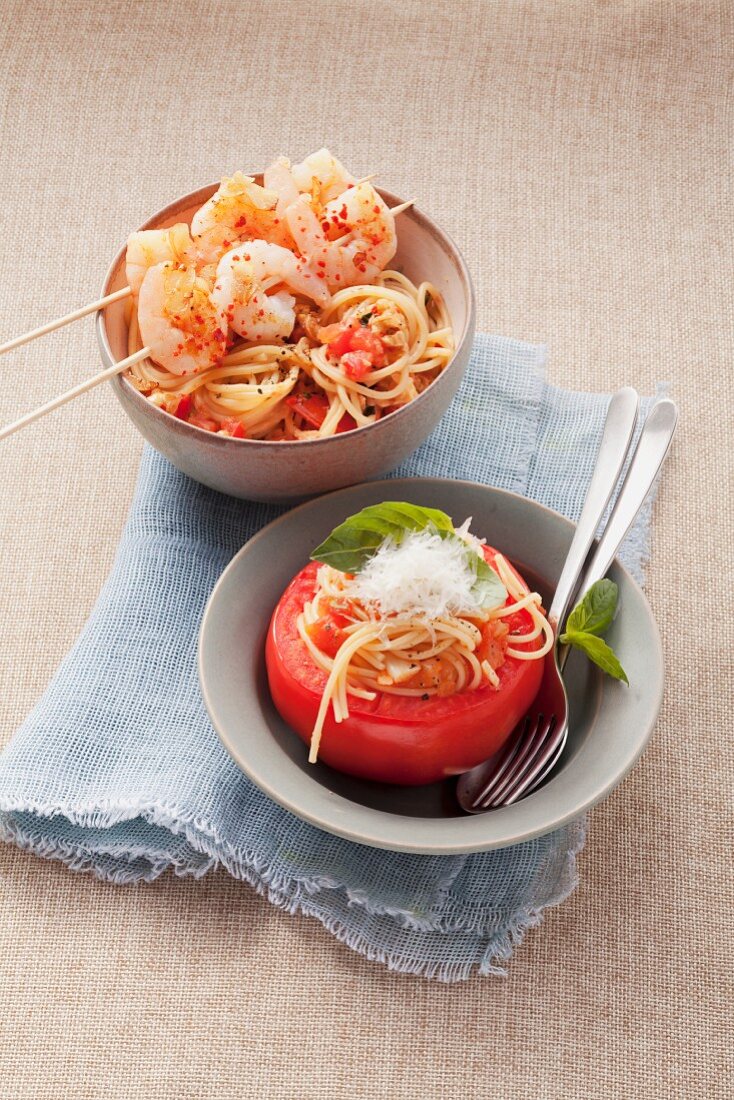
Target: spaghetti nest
[
  {"x": 302, "y": 389},
  {"x": 413, "y": 655}
]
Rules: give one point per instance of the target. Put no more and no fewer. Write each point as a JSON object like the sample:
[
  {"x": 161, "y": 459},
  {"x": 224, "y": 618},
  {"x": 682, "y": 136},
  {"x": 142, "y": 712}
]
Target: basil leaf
[
  {"x": 412, "y": 516},
  {"x": 488, "y": 589},
  {"x": 597, "y": 650},
  {"x": 350, "y": 545},
  {"x": 594, "y": 613}
]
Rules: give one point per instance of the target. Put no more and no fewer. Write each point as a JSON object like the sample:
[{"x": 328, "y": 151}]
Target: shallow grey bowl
[
  {"x": 609, "y": 723},
  {"x": 260, "y": 470}
]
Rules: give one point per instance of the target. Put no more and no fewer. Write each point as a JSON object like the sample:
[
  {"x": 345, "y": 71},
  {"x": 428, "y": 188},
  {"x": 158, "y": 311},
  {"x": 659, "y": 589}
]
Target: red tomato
[
  {"x": 312, "y": 408},
  {"x": 356, "y": 364},
  {"x": 183, "y": 408},
  {"x": 341, "y": 343},
  {"x": 346, "y": 424},
  {"x": 395, "y": 738},
  {"x": 234, "y": 427},
  {"x": 327, "y": 635},
  {"x": 204, "y": 422},
  {"x": 364, "y": 339}
]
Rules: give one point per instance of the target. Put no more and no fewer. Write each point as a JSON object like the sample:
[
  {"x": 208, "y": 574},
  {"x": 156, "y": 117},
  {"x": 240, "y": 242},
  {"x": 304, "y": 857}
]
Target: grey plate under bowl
[{"x": 609, "y": 723}]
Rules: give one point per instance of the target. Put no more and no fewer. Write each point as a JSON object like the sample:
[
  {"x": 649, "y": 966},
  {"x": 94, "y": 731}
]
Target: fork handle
[
  {"x": 649, "y": 456},
  {"x": 616, "y": 438}
]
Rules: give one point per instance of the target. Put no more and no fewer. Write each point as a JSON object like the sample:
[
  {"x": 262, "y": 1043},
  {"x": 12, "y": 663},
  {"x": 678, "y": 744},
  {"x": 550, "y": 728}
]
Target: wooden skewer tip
[
  {"x": 75, "y": 391},
  {"x": 51, "y": 326}
]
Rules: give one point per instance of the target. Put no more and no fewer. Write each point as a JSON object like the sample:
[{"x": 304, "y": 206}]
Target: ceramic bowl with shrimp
[{"x": 360, "y": 447}]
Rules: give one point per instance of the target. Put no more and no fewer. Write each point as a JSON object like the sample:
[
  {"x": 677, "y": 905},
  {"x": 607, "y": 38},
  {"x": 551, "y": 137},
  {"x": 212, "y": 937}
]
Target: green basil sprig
[
  {"x": 591, "y": 617},
  {"x": 351, "y": 545}
]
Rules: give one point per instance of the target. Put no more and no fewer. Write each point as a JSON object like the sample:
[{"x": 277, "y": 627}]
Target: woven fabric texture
[
  {"x": 579, "y": 154},
  {"x": 118, "y": 770}
]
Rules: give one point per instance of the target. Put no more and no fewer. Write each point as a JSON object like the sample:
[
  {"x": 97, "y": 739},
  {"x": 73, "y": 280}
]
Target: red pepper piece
[{"x": 183, "y": 408}]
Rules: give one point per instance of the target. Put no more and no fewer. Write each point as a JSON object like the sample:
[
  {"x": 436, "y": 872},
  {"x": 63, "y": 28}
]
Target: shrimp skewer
[
  {"x": 254, "y": 261},
  {"x": 239, "y": 209},
  {"x": 323, "y": 173},
  {"x": 184, "y": 328},
  {"x": 149, "y": 247},
  {"x": 242, "y": 206},
  {"x": 244, "y": 276},
  {"x": 320, "y": 175},
  {"x": 353, "y": 241},
  {"x": 184, "y": 321}
]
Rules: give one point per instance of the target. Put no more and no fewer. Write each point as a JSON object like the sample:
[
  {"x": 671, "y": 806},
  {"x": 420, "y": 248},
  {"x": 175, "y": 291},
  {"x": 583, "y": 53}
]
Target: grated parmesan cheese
[{"x": 425, "y": 575}]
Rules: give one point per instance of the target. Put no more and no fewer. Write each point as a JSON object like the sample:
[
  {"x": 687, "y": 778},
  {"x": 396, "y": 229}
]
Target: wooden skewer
[
  {"x": 365, "y": 179},
  {"x": 110, "y": 372},
  {"x": 116, "y": 296}
]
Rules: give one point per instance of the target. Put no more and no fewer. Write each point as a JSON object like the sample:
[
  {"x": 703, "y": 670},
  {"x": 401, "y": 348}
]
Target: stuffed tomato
[{"x": 397, "y": 673}]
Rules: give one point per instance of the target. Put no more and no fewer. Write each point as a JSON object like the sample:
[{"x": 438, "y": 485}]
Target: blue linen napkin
[{"x": 118, "y": 771}]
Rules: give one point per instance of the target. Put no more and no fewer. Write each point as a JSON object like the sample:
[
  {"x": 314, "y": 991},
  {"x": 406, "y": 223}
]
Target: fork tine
[
  {"x": 541, "y": 762},
  {"x": 511, "y": 749},
  {"x": 530, "y": 750},
  {"x": 559, "y": 742}
]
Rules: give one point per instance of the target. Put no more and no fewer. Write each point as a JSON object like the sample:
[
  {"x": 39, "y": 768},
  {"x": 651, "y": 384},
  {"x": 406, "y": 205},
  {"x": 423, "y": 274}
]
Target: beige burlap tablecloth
[{"x": 578, "y": 153}]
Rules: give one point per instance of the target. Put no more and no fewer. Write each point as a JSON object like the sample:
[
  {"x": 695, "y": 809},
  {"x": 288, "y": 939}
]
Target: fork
[{"x": 537, "y": 743}]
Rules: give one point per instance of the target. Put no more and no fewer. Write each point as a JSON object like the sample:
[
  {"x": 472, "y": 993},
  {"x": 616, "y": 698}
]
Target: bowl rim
[
  {"x": 216, "y": 439},
  {"x": 443, "y": 840}
]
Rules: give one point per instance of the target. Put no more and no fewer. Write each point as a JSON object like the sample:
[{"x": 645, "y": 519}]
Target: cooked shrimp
[
  {"x": 243, "y": 206},
  {"x": 184, "y": 328},
  {"x": 320, "y": 175},
  {"x": 154, "y": 246},
  {"x": 247, "y": 272},
  {"x": 207, "y": 249},
  {"x": 353, "y": 240},
  {"x": 278, "y": 177}
]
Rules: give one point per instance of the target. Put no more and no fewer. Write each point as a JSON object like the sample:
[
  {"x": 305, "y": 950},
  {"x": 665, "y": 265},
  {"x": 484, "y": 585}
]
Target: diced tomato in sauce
[
  {"x": 327, "y": 635},
  {"x": 435, "y": 673},
  {"x": 183, "y": 408},
  {"x": 204, "y": 422},
  {"x": 356, "y": 364},
  {"x": 341, "y": 343},
  {"x": 493, "y": 644},
  {"x": 346, "y": 424},
  {"x": 354, "y": 338},
  {"x": 365, "y": 340},
  {"x": 233, "y": 427},
  {"x": 312, "y": 407}
]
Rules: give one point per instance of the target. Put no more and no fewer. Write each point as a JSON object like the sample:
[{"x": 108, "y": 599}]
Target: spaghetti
[{"x": 302, "y": 389}]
